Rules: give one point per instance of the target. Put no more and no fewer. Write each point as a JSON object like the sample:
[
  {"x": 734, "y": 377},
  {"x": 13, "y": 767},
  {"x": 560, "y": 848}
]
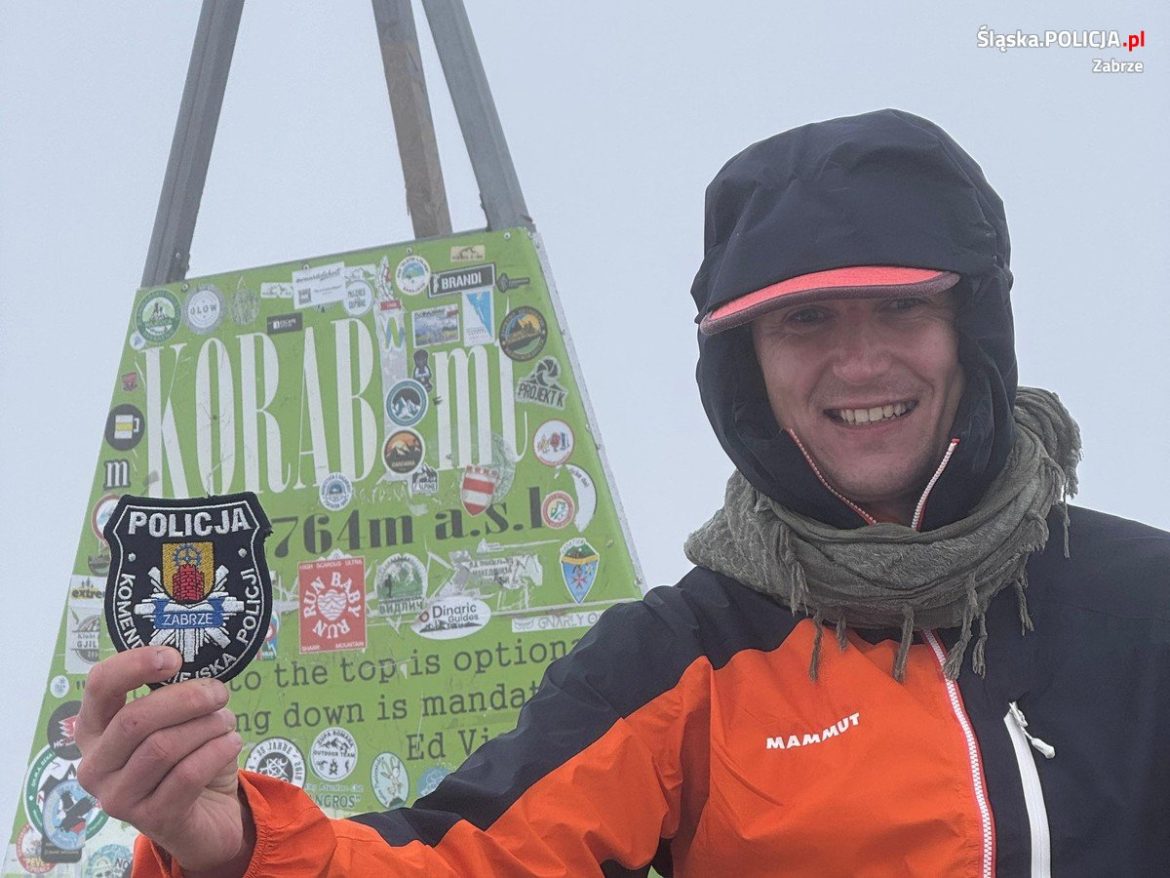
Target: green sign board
[{"x": 412, "y": 421}]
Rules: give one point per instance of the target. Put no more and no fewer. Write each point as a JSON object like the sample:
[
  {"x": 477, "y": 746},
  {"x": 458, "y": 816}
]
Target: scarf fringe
[
  {"x": 1064, "y": 517},
  {"x": 904, "y": 647},
  {"x": 978, "y": 659},
  {"x": 842, "y": 640},
  {"x": 814, "y": 664},
  {"x": 1021, "y": 584},
  {"x": 954, "y": 660}
]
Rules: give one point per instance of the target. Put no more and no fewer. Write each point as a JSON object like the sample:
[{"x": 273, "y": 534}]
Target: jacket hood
[{"x": 882, "y": 188}]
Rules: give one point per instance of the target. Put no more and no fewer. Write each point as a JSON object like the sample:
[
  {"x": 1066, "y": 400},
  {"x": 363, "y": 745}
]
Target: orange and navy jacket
[{"x": 684, "y": 731}]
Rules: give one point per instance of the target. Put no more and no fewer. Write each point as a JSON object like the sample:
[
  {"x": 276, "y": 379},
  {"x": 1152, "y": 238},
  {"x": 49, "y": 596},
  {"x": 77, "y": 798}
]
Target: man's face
[{"x": 870, "y": 387}]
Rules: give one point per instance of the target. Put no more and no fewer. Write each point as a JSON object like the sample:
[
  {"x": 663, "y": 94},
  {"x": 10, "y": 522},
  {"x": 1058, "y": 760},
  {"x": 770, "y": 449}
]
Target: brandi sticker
[
  {"x": 190, "y": 574},
  {"x": 333, "y": 604}
]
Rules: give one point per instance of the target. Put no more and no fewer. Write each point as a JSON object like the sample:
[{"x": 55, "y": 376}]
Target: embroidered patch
[{"x": 190, "y": 574}]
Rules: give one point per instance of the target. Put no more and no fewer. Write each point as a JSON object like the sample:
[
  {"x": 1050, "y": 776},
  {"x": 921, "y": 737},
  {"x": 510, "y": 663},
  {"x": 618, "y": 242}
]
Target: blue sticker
[{"x": 579, "y": 563}]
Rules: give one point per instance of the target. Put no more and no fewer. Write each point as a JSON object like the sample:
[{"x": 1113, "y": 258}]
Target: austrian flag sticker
[{"x": 477, "y": 488}]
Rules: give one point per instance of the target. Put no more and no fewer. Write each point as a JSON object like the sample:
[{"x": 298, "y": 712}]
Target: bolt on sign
[{"x": 412, "y": 421}]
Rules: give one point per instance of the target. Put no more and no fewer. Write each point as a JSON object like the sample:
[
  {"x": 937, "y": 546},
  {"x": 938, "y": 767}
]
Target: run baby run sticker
[
  {"x": 333, "y": 604},
  {"x": 190, "y": 574}
]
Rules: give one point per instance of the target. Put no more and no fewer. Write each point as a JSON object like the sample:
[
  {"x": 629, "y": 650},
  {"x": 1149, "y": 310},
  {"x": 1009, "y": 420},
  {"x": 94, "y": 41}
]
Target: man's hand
[{"x": 166, "y": 762}]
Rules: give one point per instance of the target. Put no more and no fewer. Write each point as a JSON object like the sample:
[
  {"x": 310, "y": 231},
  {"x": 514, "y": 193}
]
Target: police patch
[{"x": 190, "y": 574}]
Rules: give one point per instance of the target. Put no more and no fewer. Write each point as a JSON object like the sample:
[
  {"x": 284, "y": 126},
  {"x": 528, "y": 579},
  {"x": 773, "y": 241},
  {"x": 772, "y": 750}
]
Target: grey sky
[{"x": 617, "y": 115}]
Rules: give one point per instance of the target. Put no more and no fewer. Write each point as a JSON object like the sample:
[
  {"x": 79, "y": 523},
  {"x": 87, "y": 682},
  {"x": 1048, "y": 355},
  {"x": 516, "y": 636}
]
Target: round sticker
[
  {"x": 102, "y": 510},
  {"x": 558, "y": 509},
  {"x": 47, "y": 773},
  {"x": 279, "y": 758},
  {"x": 552, "y": 443},
  {"x": 157, "y": 316},
  {"x": 333, "y": 754},
  {"x": 390, "y": 781},
  {"x": 413, "y": 275},
  {"x": 430, "y": 778},
  {"x": 336, "y": 491},
  {"x": 109, "y": 861},
  {"x": 403, "y": 451},
  {"x": 204, "y": 309},
  {"x": 406, "y": 403},
  {"x": 400, "y": 584},
  {"x": 28, "y": 852},
  {"x": 59, "y": 686},
  {"x": 124, "y": 426},
  {"x": 358, "y": 298},
  {"x": 523, "y": 333}
]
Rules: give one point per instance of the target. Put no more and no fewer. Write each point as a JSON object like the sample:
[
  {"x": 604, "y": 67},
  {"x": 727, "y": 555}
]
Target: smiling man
[
  {"x": 868, "y": 387},
  {"x": 892, "y": 487}
]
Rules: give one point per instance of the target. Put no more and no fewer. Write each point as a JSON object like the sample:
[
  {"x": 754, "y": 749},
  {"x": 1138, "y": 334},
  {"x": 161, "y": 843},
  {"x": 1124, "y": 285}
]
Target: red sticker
[{"x": 333, "y": 604}]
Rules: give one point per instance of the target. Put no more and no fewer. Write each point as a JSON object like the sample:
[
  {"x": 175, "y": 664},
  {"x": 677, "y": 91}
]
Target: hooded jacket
[
  {"x": 683, "y": 731},
  {"x": 883, "y": 188}
]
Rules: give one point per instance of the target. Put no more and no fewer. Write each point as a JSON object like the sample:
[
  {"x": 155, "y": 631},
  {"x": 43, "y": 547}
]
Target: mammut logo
[{"x": 780, "y": 742}]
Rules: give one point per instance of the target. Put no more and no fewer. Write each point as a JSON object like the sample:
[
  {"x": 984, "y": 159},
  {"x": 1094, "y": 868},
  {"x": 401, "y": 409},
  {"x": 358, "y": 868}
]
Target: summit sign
[{"x": 440, "y": 524}]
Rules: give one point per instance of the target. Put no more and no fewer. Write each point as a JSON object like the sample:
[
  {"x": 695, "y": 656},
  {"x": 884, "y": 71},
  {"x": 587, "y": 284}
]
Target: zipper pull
[{"x": 1042, "y": 747}]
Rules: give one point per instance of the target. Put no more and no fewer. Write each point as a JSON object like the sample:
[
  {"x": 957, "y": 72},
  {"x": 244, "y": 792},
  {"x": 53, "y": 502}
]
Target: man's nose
[{"x": 860, "y": 353}]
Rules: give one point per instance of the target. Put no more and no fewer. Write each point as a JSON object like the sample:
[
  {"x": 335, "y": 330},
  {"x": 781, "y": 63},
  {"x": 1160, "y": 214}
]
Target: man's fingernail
[{"x": 164, "y": 658}]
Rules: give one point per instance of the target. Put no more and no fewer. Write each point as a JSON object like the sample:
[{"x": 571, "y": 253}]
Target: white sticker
[
  {"x": 358, "y": 298},
  {"x": 276, "y": 291},
  {"x": 478, "y": 323},
  {"x": 553, "y": 442},
  {"x": 322, "y": 285},
  {"x": 451, "y": 618},
  {"x": 333, "y": 754},
  {"x": 413, "y": 275},
  {"x": 204, "y": 309}
]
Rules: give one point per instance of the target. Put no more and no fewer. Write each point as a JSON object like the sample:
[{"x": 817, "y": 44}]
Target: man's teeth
[{"x": 870, "y": 415}]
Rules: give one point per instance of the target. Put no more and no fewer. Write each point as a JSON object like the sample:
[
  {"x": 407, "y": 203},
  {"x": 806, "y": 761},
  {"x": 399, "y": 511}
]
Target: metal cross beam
[
  {"x": 499, "y": 187},
  {"x": 426, "y": 199},
  {"x": 169, "y": 253}
]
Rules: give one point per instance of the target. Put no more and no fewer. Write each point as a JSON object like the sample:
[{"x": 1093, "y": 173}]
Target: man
[{"x": 891, "y": 486}]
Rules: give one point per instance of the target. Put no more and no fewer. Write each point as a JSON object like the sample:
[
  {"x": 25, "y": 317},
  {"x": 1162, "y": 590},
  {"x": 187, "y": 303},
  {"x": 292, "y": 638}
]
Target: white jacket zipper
[
  {"x": 1017, "y": 728},
  {"x": 975, "y": 762}
]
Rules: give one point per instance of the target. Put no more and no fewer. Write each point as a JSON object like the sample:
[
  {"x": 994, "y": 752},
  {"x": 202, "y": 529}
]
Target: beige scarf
[{"x": 891, "y": 576}]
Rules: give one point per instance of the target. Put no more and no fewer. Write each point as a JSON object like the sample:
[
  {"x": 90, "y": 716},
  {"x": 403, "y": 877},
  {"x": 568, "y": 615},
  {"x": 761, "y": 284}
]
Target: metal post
[
  {"x": 499, "y": 188},
  {"x": 174, "y": 224},
  {"x": 426, "y": 199}
]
